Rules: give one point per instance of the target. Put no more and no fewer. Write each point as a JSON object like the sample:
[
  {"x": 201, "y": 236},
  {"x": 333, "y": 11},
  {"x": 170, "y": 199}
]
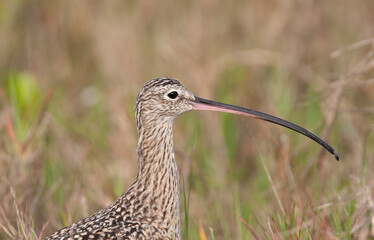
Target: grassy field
[{"x": 70, "y": 72}]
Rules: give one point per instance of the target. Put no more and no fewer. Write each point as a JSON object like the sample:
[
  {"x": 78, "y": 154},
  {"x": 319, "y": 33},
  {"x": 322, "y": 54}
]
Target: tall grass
[{"x": 70, "y": 72}]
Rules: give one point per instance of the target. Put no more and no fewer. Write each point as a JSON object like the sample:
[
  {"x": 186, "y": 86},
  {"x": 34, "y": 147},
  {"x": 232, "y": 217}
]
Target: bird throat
[{"x": 158, "y": 177}]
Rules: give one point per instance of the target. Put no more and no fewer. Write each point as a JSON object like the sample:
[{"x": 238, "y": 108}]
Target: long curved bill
[{"x": 204, "y": 104}]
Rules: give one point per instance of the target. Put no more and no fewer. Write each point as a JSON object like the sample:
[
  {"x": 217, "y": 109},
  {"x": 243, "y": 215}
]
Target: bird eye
[{"x": 173, "y": 94}]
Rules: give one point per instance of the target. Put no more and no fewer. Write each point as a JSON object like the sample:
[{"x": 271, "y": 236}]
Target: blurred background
[{"x": 70, "y": 72}]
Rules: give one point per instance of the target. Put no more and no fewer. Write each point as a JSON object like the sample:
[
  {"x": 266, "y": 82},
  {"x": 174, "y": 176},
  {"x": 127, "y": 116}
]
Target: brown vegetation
[{"x": 68, "y": 137}]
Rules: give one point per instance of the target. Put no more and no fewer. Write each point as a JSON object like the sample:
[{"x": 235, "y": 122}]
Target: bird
[{"x": 150, "y": 208}]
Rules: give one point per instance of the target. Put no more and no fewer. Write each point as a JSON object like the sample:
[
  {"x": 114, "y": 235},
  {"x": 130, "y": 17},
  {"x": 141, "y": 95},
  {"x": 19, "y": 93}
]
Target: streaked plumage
[{"x": 150, "y": 209}]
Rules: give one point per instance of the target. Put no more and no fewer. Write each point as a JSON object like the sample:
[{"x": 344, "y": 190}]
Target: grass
[{"x": 70, "y": 73}]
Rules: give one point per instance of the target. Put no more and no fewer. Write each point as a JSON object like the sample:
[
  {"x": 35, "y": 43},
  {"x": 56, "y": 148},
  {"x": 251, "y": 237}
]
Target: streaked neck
[{"x": 158, "y": 172}]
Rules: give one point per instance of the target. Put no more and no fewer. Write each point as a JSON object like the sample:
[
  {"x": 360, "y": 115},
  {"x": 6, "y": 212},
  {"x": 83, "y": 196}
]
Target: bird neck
[
  {"x": 158, "y": 172},
  {"x": 155, "y": 148}
]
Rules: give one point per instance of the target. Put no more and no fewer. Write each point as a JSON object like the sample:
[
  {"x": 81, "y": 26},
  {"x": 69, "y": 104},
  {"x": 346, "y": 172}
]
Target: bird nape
[{"x": 150, "y": 208}]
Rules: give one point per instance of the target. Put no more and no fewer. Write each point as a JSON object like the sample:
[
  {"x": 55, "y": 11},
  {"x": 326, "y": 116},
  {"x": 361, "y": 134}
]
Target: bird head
[{"x": 161, "y": 100}]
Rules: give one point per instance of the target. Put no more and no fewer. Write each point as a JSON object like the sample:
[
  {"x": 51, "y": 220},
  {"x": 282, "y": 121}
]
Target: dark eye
[{"x": 173, "y": 94}]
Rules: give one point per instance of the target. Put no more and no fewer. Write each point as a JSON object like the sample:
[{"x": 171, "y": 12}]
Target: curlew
[{"x": 150, "y": 209}]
